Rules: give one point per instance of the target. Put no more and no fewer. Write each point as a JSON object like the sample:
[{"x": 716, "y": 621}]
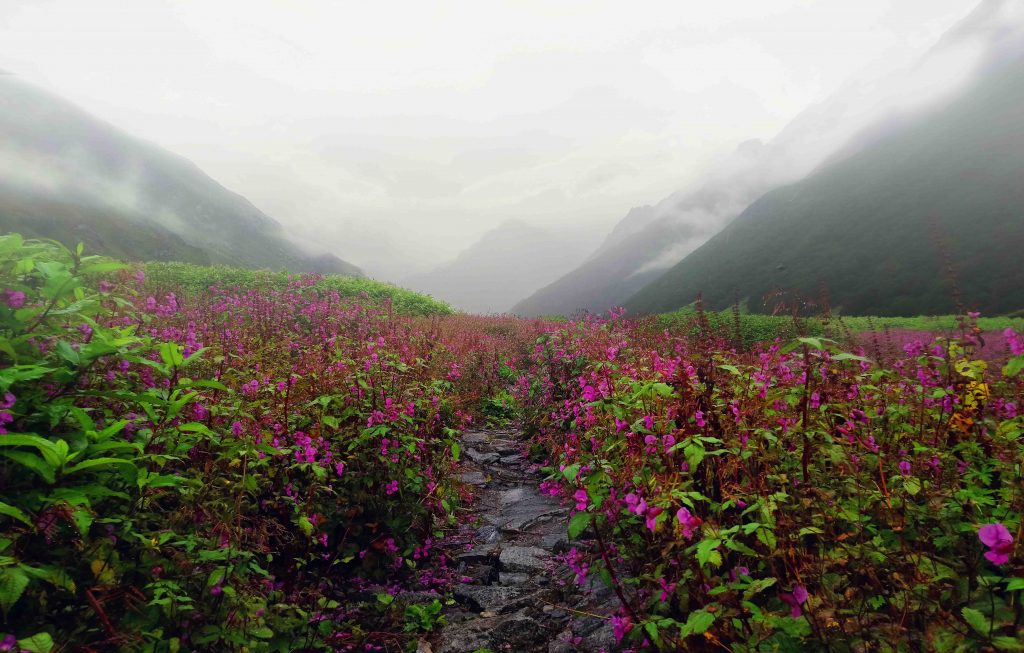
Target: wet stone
[
  {"x": 513, "y": 578},
  {"x": 473, "y": 478},
  {"x": 481, "y": 458},
  {"x": 523, "y": 558},
  {"x": 488, "y": 598}
]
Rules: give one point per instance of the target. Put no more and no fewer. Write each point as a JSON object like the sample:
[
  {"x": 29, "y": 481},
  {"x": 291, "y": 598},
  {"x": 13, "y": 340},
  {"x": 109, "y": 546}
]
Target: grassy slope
[
  {"x": 763, "y": 328},
  {"x": 865, "y": 228},
  {"x": 197, "y": 278},
  {"x": 102, "y": 231}
]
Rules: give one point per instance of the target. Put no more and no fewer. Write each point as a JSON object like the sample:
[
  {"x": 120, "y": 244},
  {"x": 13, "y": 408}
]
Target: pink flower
[
  {"x": 581, "y": 499},
  {"x": 795, "y": 599},
  {"x": 14, "y": 298},
  {"x": 688, "y": 521},
  {"x": 391, "y": 487},
  {"x": 620, "y": 627},
  {"x": 698, "y": 417},
  {"x": 652, "y": 519},
  {"x": 999, "y": 541},
  {"x": 904, "y": 468}
]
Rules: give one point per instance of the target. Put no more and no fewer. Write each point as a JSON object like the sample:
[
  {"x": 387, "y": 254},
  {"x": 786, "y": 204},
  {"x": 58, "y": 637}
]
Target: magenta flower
[
  {"x": 14, "y": 298},
  {"x": 904, "y": 467},
  {"x": 581, "y": 499},
  {"x": 999, "y": 541},
  {"x": 652, "y": 519},
  {"x": 620, "y": 626},
  {"x": 698, "y": 417},
  {"x": 8, "y": 643},
  {"x": 688, "y": 521},
  {"x": 795, "y": 599}
]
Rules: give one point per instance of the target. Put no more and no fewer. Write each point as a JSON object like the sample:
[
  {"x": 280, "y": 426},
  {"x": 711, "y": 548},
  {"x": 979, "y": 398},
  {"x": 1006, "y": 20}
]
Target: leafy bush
[
  {"x": 244, "y": 467},
  {"x": 790, "y": 498}
]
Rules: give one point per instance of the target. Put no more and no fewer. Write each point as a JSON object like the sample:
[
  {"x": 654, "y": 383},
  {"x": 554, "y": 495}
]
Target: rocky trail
[{"x": 518, "y": 596}]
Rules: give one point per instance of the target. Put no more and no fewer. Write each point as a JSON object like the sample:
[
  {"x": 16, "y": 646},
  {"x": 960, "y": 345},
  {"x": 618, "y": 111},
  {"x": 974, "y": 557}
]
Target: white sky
[{"x": 407, "y": 129}]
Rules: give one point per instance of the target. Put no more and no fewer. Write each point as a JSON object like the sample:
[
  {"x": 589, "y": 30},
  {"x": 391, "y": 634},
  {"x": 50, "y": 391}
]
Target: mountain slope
[
  {"x": 69, "y": 176},
  {"x": 871, "y": 228},
  {"x": 504, "y": 266},
  {"x": 651, "y": 239}
]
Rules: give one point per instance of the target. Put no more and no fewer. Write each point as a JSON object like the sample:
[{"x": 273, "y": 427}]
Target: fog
[{"x": 396, "y": 134}]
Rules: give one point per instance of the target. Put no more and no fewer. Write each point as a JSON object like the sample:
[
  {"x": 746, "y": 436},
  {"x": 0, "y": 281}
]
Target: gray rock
[
  {"x": 488, "y": 598},
  {"x": 523, "y": 558},
  {"x": 481, "y": 458},
  {"x": 511, "y": 460},
  {"x": 512, "y": 578},
  {"x": 473, "y": 478}
]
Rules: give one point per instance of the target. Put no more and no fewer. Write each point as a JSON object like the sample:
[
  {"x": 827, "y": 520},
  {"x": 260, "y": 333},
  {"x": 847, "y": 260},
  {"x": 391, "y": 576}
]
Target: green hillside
[
  {"x": 872, "y": 229},
  {"x": 198, "y": 278},
  {"x": 66, "y": 175}
]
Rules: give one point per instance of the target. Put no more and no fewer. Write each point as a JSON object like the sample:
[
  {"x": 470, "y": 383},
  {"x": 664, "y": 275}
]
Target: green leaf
[
  {"x": 38, "y": 643},
  {"x": 571, "y": 472},
  {"x": 1015, "y": 585},
  {"x": 705, "y": 549},
  {"x": 262, "y": 633},
  {"x": 810, "y": 530},
  {"x": 456, "y": 450},
  {"x": 170, "y": 354},
  {"x": 97, "y": 462},
  {"x": 1013, "y": 367},
  {"x": 578, "y": 524},
  {"x": 977, "y": 620},
  {"x": 13, "y": 582},
  {"x": 912, "y": 486},
  {"x": 11, "y": 511},
  {"x": 1004, "y": 643},
  {"x": 32, "y": 462},
  {"x": 697, "y": 623}
]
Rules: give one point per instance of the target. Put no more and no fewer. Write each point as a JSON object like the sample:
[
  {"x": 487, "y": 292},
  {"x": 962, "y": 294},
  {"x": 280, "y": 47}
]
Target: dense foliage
[
  {"x": 206, "y": 459},
  {"x": 252, "y": 467},
  {"x": 789, "y": 497}
]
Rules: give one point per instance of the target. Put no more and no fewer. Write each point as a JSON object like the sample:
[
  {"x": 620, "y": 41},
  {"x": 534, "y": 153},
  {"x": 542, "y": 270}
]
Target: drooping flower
[
  {"x": 620, "y": 627},
  {"x": 688, "y": 521},
  {"x": 795, "y": 599},
  {"x": 581, "y": 499},
  {"x": 999, "y": 541},
  {"x": 14, "y": 298},
  {"x": 652, "y": 518}
]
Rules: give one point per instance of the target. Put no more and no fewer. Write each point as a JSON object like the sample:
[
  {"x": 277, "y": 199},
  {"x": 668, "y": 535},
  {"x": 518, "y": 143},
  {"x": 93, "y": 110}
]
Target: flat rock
[
  {"x": 480, "y": 553},
  {"x": 513, "y": 578},
  {"x": 473, "y": 478},
  {"x": 523, "y": 558},
  {"x": 482, "y": 458},
  {"x": 488, "y": 598}
]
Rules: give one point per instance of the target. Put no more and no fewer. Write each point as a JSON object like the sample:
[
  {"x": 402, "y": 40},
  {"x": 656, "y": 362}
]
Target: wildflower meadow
[{"x": 207, "y": 460}]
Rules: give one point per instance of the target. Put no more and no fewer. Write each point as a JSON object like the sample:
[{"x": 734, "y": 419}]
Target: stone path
[{"x": 519, "y": 598}]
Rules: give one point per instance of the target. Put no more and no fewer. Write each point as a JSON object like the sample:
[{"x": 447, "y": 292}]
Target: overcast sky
[{"x": 411, "y": 128}]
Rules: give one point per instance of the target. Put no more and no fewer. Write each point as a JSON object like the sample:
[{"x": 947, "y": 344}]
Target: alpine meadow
[{"x": 321, "y": 329}]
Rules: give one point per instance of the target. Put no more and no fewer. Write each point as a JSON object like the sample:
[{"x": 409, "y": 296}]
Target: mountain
[
  {"x": 877, "y": 228},
  {"x": 504, "y": 266},
  {"x": 69, "y": 176},
  {"x": 649, "y": 240}
]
